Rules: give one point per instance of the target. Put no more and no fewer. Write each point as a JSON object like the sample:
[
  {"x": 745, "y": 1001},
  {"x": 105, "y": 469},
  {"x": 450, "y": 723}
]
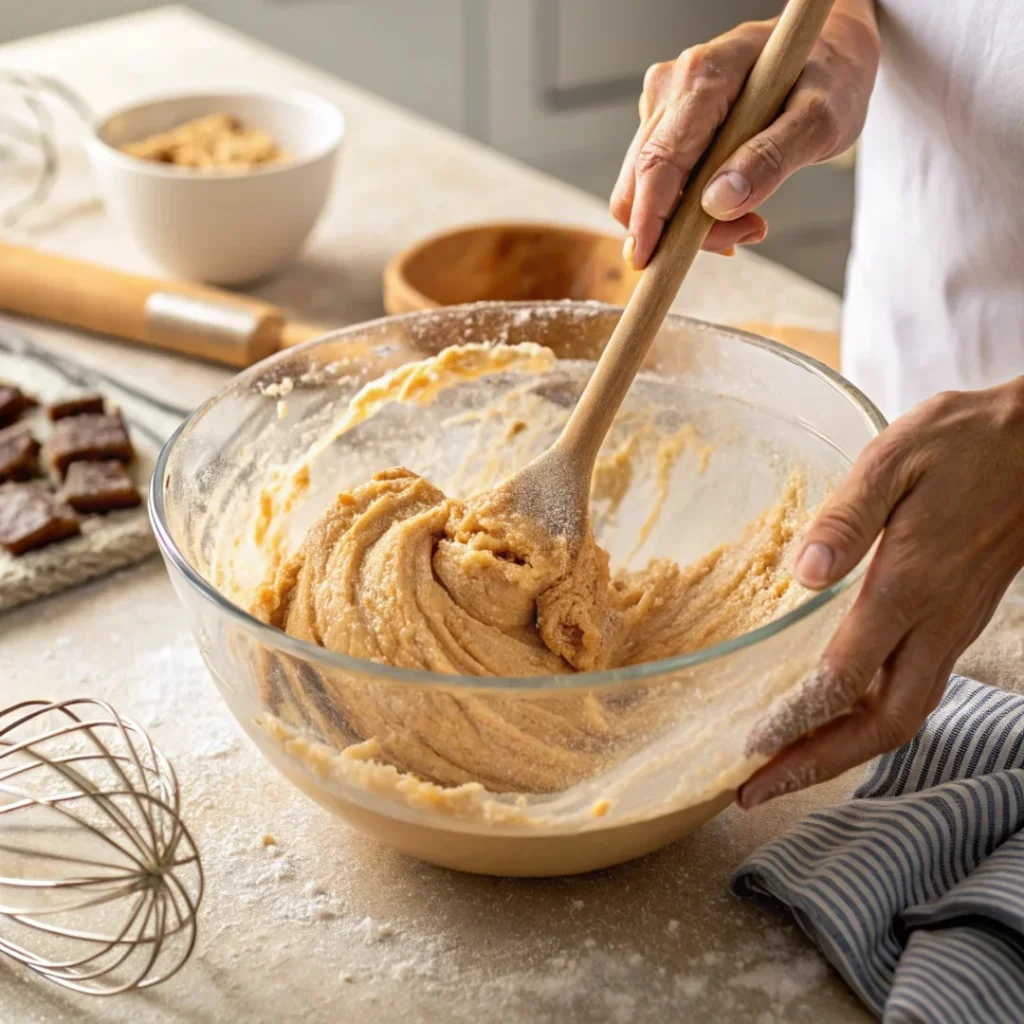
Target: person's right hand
[{"x": 684, "y": 101}]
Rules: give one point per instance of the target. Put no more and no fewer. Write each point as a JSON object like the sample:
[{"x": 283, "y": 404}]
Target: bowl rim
[
  {"x": 291, "y": 97},
  {"x": 279, "y": 640}
]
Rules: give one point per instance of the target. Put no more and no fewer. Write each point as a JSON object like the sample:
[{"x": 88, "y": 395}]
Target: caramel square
[
  {"x": 99, "y": 487},
  {"x": 76, "y": 405},
  {"x": 90, "y": 437},
  {"x": 32, "y": 516},
  {"x": 19, "y": 452},
  {"x": 13, "y": 402}
]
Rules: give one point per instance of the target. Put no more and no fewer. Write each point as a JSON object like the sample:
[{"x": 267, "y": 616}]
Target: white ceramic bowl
[{"x": 222, "y": 227}]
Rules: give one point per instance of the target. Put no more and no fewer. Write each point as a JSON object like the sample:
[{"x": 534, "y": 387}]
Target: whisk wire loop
[{"x": 96, "y": 864}]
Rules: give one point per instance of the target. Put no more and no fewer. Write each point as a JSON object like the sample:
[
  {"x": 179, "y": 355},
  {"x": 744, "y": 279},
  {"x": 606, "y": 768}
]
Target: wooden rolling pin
[
  {"x": 205, "y": 322},
  {"x": 191, "y": 319}
]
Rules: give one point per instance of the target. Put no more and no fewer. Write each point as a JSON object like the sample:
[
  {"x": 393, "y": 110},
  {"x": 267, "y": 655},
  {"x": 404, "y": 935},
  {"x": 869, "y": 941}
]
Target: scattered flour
[
  {"x": 691, "y": 986},
  {"x": 374, "y": 931},
  {"x": 378, "y": 937},
  {"x": 784, "y": 980}
]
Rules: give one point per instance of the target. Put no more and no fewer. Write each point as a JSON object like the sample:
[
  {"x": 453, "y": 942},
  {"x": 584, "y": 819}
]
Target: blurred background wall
[{"x": 554, "y": 83}]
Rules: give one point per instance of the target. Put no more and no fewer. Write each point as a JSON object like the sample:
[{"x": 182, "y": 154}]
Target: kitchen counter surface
[{"x": 326, "y": 925}]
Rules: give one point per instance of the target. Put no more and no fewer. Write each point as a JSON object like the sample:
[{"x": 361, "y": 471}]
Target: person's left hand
[{"x": 944, "y": 485}]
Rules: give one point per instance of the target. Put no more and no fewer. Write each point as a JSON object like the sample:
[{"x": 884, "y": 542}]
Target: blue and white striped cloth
[{"x": 914, "y": 889}]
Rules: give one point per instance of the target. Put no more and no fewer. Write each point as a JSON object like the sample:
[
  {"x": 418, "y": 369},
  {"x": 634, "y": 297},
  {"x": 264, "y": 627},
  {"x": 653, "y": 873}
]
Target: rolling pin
[
  {"x": 190, "y": 319},
  {"x": 197, "y": 320}
]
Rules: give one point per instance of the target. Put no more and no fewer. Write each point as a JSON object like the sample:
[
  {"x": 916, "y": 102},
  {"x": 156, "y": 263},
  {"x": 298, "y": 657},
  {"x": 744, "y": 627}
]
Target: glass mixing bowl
[{"x": 744, "y": 413}]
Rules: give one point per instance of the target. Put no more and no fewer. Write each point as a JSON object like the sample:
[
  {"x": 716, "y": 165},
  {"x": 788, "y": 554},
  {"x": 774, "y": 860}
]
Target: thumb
[
  {"x": 761, "y": 165},
  {"x": 851, "y": 519}
]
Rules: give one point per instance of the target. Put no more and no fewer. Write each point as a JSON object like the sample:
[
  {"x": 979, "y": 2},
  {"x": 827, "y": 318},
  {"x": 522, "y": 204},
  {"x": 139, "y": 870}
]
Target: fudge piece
[
  {"x": 13, "y": 402},
  {"x": 89, "y": 437},
  {"x": 31, "y": 515},
  {"x": 76, "y": 405},
  {"x": 99, "y": 487},
  {"x": 18, "y": 453}
]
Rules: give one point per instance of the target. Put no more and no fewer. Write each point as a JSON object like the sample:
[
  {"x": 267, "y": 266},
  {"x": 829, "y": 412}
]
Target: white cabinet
[
  {"x": 408, "y": 51},
  {"x": 18, "y": 19}
]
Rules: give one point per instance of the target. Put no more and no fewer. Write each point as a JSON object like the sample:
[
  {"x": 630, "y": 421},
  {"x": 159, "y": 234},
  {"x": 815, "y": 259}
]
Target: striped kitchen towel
[{"x": 914, "y": 889}]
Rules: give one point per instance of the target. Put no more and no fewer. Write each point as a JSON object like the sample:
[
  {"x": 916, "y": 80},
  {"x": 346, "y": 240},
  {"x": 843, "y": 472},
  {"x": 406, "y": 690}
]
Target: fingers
[
  {"x": 748, "y": 230},
  {"x": 682, "y": 105},
  {"x": 848, "y": 523},
  {"x": 883, "y": 672},
  {"x": 621, "y": 203},
  {"x": 807, "y": 131},
  {"x": 867, "y": 636},
  {"x": 907, "y": 691},
  {"x": 663, "y": 163},
  {"x": 893, "y": 600},
  {"x": 723, "y": 236},
  {"x": 653, "y": 101}
]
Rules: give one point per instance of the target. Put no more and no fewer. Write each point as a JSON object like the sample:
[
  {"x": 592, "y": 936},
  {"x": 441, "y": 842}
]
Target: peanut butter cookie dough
[{"x": 396, "y": 572}]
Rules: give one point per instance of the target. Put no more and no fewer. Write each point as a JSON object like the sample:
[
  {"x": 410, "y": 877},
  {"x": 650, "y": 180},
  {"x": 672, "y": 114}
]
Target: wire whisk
[
  {"x": 100, "y": 880},
  {"x": 28, "y": 134}
]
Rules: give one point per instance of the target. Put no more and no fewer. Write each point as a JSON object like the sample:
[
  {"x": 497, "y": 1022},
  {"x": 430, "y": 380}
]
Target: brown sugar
[
  {"x": 31, "y": 516},
  {"x": 13, "y": 402},
  {"x": 19, "y": 452},
  {"x": 214, "y": 142},
  {"x": 76, "y": 405},
  {"x": 90, "y": 437},
  {"x": 99, "y": 487}
]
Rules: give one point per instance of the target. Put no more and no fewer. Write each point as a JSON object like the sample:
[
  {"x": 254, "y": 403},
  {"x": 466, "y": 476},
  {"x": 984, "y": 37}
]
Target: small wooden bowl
[{"x": 510, "y": 262}]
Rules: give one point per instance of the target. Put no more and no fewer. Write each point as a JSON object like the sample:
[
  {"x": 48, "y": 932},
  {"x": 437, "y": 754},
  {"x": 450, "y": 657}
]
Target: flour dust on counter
[{"x": 336, "y": 925}]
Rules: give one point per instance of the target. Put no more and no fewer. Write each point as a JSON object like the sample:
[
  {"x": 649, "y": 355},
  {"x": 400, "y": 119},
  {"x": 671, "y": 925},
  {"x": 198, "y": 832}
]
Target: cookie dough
[{"x": 398, "y": 573}]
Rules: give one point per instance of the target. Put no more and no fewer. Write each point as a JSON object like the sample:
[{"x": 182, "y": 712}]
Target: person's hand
[
  {"x": 944, "y": 485},
  {"x": 684, "y": 101}
]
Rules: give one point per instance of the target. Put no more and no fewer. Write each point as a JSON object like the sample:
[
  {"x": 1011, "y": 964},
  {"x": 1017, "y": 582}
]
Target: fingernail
[
  {"x": 725, "y": 193},
  {"x": 729, "y": 251},
  {"x": 754, "y": 795},
  {"x": 760, "y": 791},
  {"x": 815, "y": 564},
  {"x": 628, "y": 248}
]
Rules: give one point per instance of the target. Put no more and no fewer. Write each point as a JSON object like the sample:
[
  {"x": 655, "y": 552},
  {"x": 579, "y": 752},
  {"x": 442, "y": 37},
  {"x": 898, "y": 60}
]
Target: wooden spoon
[{"x": 555, "y": 487}]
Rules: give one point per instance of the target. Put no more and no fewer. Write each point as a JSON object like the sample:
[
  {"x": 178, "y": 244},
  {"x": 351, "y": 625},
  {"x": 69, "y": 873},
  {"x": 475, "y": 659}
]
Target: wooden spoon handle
[{"x": 769, "y": 82}]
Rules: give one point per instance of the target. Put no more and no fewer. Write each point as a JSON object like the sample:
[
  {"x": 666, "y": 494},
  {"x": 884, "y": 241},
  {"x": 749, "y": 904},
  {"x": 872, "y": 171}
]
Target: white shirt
[{"x": 935, "y": 284}]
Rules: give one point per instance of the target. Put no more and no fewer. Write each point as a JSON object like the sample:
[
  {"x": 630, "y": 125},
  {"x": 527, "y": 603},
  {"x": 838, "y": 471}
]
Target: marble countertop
[{"x": 334, "y": 926}]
